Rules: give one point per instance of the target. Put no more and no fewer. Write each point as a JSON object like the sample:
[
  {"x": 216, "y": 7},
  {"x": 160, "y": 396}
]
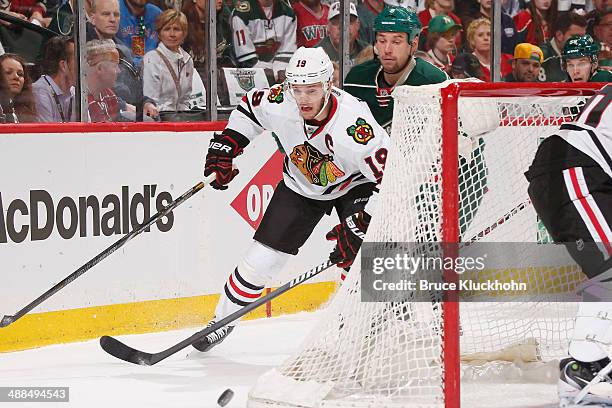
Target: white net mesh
[{"x": 391, "y": 354}]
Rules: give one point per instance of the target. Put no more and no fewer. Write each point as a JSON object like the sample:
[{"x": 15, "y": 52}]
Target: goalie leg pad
[{"x": 592, "y": 331}]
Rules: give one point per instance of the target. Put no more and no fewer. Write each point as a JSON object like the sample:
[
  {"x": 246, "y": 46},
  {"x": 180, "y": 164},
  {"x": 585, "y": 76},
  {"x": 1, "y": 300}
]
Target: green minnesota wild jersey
[
  {"x": 601, "y": 75},
  {"x": 365, "y": 81}
]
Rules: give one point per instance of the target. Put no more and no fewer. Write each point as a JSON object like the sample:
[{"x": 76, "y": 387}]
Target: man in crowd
[
  {"x": 331, "y": 44},
  {"x": 102, "y": 70},
  {"x": 397, "y": 38},
  {"x": 367, "y": 11},
  {"x": 137, "y": 27},
  {"x": 603, "y": 33},
  {"x": 103, "y": 25},
  {"x": 311, "y": 18},
  {"x": 525, "y": 64},
  {"x": 53, "y": 91},
  {"x": 580, "y": 60},
  {"x": 264, "y": 35},
  {"x": 567, "y": 25}
]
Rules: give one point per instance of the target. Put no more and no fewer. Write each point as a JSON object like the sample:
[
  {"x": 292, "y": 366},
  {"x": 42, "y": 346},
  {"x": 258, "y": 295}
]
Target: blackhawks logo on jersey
[
  {"x": 361, "y": 131},
  {"x": 317, "y": 167},
  {"x": 276, "y": 94}
]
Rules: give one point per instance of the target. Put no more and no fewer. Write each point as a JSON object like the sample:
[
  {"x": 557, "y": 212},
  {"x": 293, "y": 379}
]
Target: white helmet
[{"x": 309, "y": 66}]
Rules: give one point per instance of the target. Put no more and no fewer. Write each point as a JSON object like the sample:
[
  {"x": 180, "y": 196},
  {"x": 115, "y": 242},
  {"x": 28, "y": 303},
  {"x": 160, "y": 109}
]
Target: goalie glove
[
  {"x": 348, "y": 236},
  {"x": 221, "y": 152}
]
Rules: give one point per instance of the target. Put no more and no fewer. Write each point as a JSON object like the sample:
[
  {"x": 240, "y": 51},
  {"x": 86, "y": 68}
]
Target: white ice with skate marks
[{"x": 190, "y": 379}]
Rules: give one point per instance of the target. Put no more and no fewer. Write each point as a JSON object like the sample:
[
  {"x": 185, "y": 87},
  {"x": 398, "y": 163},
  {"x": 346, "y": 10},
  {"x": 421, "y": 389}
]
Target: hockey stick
[
  {"x": 497, "y": 223},
  {"x": 6, "y": 320},
  {"x": 126, "y": 353}
]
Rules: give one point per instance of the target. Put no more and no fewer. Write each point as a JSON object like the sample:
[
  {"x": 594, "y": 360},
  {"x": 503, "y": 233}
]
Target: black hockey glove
[
  {"x": 221, "y": 152},
  {"x": 348, "y": 236}
]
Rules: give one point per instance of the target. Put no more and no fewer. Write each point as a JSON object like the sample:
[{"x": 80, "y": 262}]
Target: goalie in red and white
[
  {"x": 335, "y": 154},
  {"x": 570, "y": 185}
]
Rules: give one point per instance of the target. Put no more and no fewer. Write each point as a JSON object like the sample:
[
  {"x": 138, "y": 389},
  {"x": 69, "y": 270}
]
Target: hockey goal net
[{"x": 454, "y": 173}]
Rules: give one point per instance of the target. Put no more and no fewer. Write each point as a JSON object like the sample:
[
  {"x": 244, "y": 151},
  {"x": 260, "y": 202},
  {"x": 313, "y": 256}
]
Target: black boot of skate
[
  {"x": 575, "y": 375},
  {"x": 214, "y": 338}
]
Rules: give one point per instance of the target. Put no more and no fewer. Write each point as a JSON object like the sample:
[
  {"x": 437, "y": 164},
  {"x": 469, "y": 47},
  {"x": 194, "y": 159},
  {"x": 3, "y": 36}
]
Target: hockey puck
[{"x": 225, "y": 397}]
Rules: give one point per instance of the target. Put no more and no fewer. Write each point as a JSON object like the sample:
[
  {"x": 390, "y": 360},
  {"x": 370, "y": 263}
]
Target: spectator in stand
[
  {"x": 194, "y": 42},
  {"x": 479, "y": 40},
  {"x": 580, "y": 60},
  {"x": 368, "y": 10},
  {"x": 62, "y": 20},
  {"x": 512, "y": 7},
  {"x": 312, "y": 20},
  {"x": 102, "y": 70},
  {"x": 464, "y": 66},
  {"x": 196, "y": 47},
  {"x": 264, "y": 35},
  {"x": 599, "y": 7},
  {"x": 603, "y": 33},
  {"x": 536, "y": 22},
  {"x": 53, "y": 91},
  {"x": 525, "y": 64},
  {"x": 168, "y": 70},
  {"x": 31, "y": 10},
  {"x": 18, "y": 105},
  {"x": 435, "y": 8},
  {"x": 567, "y": 25},
  {"x": 416, "y": 5},
  {"x": 137, "y": 27},
  {"x": 103, "y": 24},
  {"x": 577, "y": 6},
  {"x": 332, "y": 42},
  {"x": 510, "y": 36},
  {"x": 441, "y": 41}
]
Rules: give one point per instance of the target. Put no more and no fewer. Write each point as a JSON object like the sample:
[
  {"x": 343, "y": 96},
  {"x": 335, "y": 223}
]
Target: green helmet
[
  {"x": 580, "y": 46},
  {"x": 398, "y": 20}
]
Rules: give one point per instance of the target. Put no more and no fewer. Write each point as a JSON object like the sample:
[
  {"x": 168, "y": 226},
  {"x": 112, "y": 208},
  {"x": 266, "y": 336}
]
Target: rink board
[{"x": 70, "y": 191}]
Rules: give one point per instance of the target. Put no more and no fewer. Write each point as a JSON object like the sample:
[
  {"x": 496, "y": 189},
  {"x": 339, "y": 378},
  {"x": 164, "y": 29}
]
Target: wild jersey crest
[
  {"x": 276, "y": 94},
  {"x": 361, "y": 131},
  {"x": 317, "y": 167}
]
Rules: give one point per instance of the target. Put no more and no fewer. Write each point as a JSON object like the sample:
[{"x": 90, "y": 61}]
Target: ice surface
[{"x": 192, "y": 379}]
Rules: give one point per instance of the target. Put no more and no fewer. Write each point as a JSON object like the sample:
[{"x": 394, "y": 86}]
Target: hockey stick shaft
[
  {"x": 520, "y": 207},
  {"x": 126, "y": 353},
  {"x": 7, "y": 320}
]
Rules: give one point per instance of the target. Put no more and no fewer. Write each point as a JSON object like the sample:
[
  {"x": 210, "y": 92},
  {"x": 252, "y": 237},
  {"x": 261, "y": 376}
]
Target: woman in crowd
[
  {"x": 168, "y": 69},
  {"x": 535, "y": 22},
  {"x": 16, "y": 99},
  {"x": 479, "y": 40}
]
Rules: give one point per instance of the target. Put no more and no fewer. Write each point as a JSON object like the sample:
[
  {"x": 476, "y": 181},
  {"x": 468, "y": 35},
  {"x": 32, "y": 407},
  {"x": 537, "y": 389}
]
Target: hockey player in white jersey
[
  {"x": 335, "y": 154},
  {"x": 570, "y": 185}
]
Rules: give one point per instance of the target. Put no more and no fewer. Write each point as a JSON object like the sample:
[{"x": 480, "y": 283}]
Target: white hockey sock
[
  {"x": 247, "y": 281},
  {"x": 592, "y": 331}
]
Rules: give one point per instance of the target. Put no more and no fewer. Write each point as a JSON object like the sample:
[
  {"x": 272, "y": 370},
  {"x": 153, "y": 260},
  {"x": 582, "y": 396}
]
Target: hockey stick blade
[
  {"x": 126, "y": 353},
  {"x": 7, "y": 320}
]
